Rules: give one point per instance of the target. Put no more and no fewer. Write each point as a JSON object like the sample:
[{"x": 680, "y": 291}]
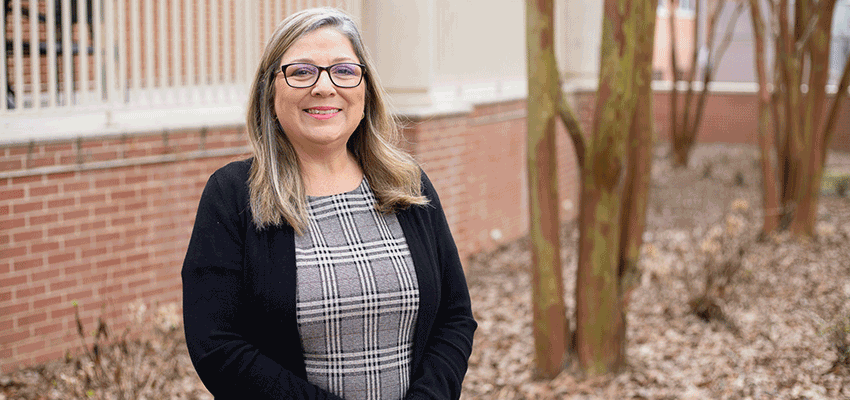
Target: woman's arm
[
  {"x": 445, "y": 360},
  {"x": 213, "y": 310}
]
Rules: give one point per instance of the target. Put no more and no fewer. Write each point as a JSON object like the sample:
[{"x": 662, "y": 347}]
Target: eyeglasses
[{"x": 303, "y": 75}]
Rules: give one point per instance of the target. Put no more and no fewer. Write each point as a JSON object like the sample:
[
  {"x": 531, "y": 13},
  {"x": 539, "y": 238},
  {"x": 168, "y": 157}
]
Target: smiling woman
[{"x": 323, "y": 267}]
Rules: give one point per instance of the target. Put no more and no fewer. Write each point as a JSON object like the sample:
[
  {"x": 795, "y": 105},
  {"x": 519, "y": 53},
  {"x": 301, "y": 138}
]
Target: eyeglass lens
[{"x": 344, "y": 75}]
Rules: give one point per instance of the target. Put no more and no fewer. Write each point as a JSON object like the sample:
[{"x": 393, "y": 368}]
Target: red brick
[
  {"x": 98, "y": 251},
  {"x": 5, "y": 295},
  {"x": 12, "y": 337},
  {"x": 6, "y": 325},
  {"x": 135, "y": 179},
  {"x": 13, "y": 281},
  {"x": 11, "y": 165},
  {"x": 62, "y": 312},
  {"x": 95, "y": 198},
  {"x": 12, "y": 309},
  {"x": 141, "y": 282},
  {"x": 61, "y": 231},
  {"x": 28, "y": 236},
  {"x": 104, "y": 155},
  {"x": 11, "y": 194},
  {"x": 45, "y": 303},
  {"x": 75, "y": 186},
  {"x": 22, "y": 265},
  {"x": 45, "y": 275},
  {"x": 61, "y": 202},
  {"x": 95, "y": 279},
  {"x": 123, "y": 221},
  {"x": 107, "y": 237},
  {"x": 107, "y": 182},
  {"x": 111, "y": 262},
  {"x": 81, "y": 295},
  {"x": 92, "y": 226},
  {"x": 137, "y": 257},
  {"x": 46, "y": 190},
  {"x": 35, "y": 220},
  {"x": 78, "y": 268},
  {"x": 124, "y": 272},
  {"x": 23, "y": 180},
  {"x": 48, "y": 356},
  {"x": 77, "y": 214},
  {"x": 133, "y": 233},
  {"x": 27, "y": 207},
  {"x": 42, "y": 247},
  {"x": 63, "y": 284},
  {"x": 63, "y": 257},
  {"x": 33, "y": 318},
  {"x": 137, "y": 205},
  {"x": 108, "y": 289},
  {"x": 111, "y": 209},
  {"x": 14, "y": 223},
  {"x": 58, "y": 147},
  {"x": 78, "y": 241},
  {"x": 124, "y": 194}
]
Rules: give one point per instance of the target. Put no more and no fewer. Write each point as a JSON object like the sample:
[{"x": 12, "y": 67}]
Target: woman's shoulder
[
  {"x": 231, "y": 180},
  {"x": 237, "y": 171}
]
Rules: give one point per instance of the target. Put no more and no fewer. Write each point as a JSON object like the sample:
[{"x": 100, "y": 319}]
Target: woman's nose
[{"x": 323, "y": 85}]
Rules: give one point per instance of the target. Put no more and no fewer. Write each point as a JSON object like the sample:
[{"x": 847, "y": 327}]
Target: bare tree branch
[{"x": 568, "y": 117}]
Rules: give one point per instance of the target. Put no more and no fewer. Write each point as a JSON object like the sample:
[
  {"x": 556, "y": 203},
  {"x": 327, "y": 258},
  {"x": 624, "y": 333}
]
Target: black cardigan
[{"x": 239, "y": 300}]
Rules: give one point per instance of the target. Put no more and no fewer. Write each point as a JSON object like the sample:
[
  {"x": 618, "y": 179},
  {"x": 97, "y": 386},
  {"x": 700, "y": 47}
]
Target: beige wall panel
[{"x": 479, "y": 42}]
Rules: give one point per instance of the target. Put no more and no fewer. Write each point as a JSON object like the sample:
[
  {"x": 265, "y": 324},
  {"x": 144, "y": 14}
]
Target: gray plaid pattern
[{"x": 357, "y": 297}]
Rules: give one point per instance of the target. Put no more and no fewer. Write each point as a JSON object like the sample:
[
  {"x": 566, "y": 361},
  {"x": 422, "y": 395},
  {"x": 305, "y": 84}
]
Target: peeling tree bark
[
  {"x": 550, "y": 326},
  {"x": 600, "y": 301}
]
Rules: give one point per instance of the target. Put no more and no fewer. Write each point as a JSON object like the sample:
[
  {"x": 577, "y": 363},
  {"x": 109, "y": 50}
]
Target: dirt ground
[{"x": 773, "y": 323}]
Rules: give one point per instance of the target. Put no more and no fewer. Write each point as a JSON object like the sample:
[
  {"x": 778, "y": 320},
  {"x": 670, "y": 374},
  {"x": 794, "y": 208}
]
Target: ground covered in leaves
[{"x": 720, "y": 312}]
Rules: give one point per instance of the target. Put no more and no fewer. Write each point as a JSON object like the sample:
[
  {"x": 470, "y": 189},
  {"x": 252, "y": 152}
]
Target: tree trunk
[
  {"x": 550, "y": 326},
  {"x": 769, "y": 189},
  {"x": 600, "y": 328},
  {"x": 680, "y": 156},
  {"x": 638, "y": 173},
  {"x": 811, "y": 169}
]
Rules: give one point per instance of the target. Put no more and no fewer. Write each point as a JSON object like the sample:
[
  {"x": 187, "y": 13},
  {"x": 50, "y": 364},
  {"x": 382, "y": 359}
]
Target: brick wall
[
  {"x": 104, "y": 222},
  {"x": 97, "y": 222}
]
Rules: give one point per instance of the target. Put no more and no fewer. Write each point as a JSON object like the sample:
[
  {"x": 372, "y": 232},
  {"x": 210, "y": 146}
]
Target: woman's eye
[
  {"x": 301, "y": 71},
  {"x": 344, "y": 70}
]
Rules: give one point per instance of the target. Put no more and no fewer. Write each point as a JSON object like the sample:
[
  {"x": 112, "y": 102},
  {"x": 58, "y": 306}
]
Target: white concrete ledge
[{"x": 59, "y": 125}]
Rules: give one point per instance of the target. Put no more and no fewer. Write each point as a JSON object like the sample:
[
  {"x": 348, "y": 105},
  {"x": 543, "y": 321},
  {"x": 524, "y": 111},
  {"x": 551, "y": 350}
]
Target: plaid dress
[{"x": 357, "y": 297}]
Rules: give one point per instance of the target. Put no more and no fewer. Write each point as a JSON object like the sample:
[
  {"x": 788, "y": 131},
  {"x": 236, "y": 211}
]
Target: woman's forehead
[{"x": 326, "y": 45}]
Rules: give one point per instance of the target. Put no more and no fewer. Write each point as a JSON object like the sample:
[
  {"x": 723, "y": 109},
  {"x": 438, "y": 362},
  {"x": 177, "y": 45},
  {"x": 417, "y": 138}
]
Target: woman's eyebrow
[{"x": 311, "y": 61}]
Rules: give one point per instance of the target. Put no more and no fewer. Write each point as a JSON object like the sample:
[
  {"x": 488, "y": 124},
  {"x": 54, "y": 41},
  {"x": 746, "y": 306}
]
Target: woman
[{"x": 323, "y": 267}]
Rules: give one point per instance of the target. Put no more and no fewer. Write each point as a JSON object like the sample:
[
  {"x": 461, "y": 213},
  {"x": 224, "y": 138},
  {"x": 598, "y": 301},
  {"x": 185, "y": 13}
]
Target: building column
[{"x": 400, "y": 36}]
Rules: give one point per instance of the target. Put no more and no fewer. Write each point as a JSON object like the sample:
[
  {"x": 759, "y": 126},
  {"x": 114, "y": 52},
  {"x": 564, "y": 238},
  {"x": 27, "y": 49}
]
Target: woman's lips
[{"x": 322, "y": 112}]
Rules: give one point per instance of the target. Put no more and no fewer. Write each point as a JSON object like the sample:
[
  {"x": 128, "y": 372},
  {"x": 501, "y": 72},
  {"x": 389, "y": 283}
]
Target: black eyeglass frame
[{"x": 327, "y": 69}]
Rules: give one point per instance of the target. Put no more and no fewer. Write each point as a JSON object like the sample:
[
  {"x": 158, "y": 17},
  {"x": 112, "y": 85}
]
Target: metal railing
[{"x": 103, "y": 58}]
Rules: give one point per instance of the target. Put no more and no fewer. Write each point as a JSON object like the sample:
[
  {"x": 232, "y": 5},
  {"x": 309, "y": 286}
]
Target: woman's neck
[{"x": 330, "y": 174}]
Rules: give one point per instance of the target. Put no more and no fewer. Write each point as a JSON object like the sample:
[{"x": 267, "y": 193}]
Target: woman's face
[{"x": 321, "y": 117}]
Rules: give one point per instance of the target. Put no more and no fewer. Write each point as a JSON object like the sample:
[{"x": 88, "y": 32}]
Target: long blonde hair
[{"x": 276, "y": 188}]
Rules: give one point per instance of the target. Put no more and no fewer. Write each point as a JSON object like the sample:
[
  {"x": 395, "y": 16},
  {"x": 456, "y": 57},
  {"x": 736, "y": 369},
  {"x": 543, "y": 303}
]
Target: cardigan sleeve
[
  {"x": 446, "y": 356},
  {"x": 228, "y": 363}
]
